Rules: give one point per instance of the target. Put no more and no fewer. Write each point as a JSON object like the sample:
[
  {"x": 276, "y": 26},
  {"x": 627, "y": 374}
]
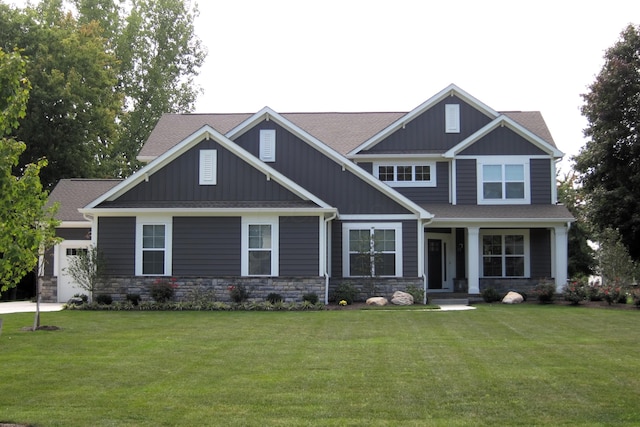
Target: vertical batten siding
[
  {"x": 299, "y": 246},
  {"x": 427, "y": 131},
  {"x": 206, "y": 246},
  {"x": 502, "y": 141},
  {"x": 540, "y": 171},
  {"x": 438, "y": 194},
  {"x": 336, "y": 249},
  {"x": 236, "y": 181},
  {"x": 410, "y": 249},
  {"x": 466, "y": 182},
  {"x": 117, "y": 244},
  {"x": 540, "y": 253},
  {"x": 320, "y": 175}
]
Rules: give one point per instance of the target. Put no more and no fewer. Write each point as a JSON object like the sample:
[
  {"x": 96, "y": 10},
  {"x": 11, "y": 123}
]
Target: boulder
[
  {"x": 75, "y": 301},
  {"x": 380, "y": 301},
  {"x": 512, "y": 298},
  {"x": 402, "y": 298}
]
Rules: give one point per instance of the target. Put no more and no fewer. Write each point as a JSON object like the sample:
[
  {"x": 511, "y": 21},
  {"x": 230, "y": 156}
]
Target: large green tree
[
  {"x": 26, "y": 224},
  {"x": 609, "y": 163}
]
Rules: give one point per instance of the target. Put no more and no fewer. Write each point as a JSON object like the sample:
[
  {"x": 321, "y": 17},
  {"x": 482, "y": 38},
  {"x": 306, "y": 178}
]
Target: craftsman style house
[{"x": 451, "y": 196}]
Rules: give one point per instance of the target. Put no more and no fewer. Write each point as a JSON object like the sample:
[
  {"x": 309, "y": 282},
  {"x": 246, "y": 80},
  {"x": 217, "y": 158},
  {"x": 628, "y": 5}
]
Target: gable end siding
[
  {"x": 466, "y": 182},
  {"x": 299, "y": 246},
  {"x": 502, "y": 141},
  {"x": 116, "y": 243},
  {"x": 540, "y": 171},
  {"x": 540, "y": 253},
  {"x": 236, "y": 181},
  {"x": 206, "y": 246},
  {"x": 320, "y": 175},
  {"x": 426, "y": 133}
]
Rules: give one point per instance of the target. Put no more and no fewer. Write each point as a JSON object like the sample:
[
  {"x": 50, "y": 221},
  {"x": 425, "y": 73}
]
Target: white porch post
[
  {"x": 561, "y": 256},
  {"x": 473, "y": 269}
]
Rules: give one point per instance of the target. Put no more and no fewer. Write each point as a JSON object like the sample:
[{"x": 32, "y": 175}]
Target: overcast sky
[{"x": 352, "y": 55}]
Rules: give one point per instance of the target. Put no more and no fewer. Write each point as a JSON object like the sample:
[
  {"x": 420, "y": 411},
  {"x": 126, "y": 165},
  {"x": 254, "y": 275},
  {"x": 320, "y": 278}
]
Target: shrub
[
  {"x": 575, "y": 291},
  {"x": 345, "y": 292},
  {"x": 612, "y": 292},
  {"x": 312, "y": 297},
  {"x": 274, "y": 297},
  {"x": 594, "y": 291},
  {"x": 238, "y": 293},
  {"x": 544, "y": 291},
  {"x": 163, "y": 290},
  {"x": 104, "y": 299},
  {"x": 416, "y": 292},
  {"x": 490, "y": 295},
  {"x": 201, "y": 296},
  {"x": 134, "y": 298},
  {"x": 635, "y": 294}
]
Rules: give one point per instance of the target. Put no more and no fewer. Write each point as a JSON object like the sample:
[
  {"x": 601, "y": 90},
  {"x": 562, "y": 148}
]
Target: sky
[{"x": 352, "y": 55}]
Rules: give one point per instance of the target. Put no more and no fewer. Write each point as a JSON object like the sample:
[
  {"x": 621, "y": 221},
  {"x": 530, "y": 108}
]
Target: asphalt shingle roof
[{"x": 76, "y": 193}]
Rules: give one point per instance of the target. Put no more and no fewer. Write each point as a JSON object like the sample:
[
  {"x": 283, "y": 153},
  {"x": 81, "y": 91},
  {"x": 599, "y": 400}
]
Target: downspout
[
  {"x": 424, "y": 276},
  {"x": 326, "y": 257}
]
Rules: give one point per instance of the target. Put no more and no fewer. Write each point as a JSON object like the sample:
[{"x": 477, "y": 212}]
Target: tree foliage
[
  {"x": 614, "y": 263},
  {"x": 26, "y": 224},
  {"x": 609, "y": 163}
]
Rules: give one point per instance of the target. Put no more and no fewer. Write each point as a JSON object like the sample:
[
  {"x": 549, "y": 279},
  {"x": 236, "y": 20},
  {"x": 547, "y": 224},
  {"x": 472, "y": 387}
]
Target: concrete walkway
[
  {"x": 28, "y": 307},
  {"x": 455, "y": 307}
]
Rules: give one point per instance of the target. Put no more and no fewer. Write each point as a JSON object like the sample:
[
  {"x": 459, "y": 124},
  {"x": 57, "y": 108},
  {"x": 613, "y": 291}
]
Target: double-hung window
[
  {"x": 153, "y": 247},
  {"x": 259, "y": 246},
  {"x": 406, "y": 174},
  {"x": 505, "y": 253},
  {"x": 503, "y": 182},
  {"x": 372, "y": 250}
]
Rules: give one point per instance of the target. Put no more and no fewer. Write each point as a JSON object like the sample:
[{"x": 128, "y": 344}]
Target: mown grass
[{"x": 497, "y": 365}]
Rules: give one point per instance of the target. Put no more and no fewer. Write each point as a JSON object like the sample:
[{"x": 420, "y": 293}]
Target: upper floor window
[
  {"x": 406, "y": 174},
  {"x": 503, "y": 182}
]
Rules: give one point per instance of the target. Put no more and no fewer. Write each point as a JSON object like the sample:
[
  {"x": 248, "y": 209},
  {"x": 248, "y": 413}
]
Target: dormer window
[
  {"x": 406, "y": 174},
  {"x": 452, "y": 118}
]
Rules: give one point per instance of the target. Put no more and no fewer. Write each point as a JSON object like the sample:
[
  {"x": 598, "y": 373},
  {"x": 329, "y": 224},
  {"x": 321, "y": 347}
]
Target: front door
[{"x": 439, "y": 261}]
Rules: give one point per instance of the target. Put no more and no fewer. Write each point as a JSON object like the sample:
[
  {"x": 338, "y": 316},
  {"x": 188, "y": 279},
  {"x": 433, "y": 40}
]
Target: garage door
[{"x": 67, "y": 287}]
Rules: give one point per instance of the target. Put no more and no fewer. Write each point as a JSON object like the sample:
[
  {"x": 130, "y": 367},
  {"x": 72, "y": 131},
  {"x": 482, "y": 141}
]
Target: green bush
[
  {"x": 201, "y": 296},
  {"x": 312, "y": 297},
  {"x": 345, "y": 291},
  {"x": 575, "y": 292},
  {"x": 134, "y": 299},
  {"x": 104, "y": 299},
  {"x": 612, "y": 293},
  {"x": 635, "y": 294},
  {"x": 416, "y": 292},
  {"x": 163, "y": 290},
  {"x": 490, "y": 295},
  {"x": 274, "y": 297},
  {"x": 545, "y": 291},
  {"x": 238, "y": 293}
]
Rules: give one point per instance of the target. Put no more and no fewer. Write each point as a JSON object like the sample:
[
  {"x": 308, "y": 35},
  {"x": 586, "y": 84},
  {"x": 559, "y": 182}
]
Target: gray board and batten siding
[
  {"x": 299, "y": 246},
  {"x": 117, "y": 244},
  {"x": 502, "y": 141},
  {"x": 236, "y": 181},
  {"x": 319, "y": 174},
  {"x": 426, "y": 133}
]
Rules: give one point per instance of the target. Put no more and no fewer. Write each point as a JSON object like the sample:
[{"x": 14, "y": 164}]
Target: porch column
[
  {"x": 473, "y": 269},
  {"x": 561, "y": 256}
]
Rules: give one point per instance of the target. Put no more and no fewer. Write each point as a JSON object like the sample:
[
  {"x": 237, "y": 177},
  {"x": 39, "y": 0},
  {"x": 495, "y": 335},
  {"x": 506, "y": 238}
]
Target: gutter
[{"x": 326, "y": 255}]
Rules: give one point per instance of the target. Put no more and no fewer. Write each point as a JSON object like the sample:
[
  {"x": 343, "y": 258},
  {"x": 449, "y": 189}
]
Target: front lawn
[{"x": 497, "y": 365}]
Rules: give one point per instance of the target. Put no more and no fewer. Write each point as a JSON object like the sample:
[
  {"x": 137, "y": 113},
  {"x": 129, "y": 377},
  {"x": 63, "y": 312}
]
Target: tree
[
  {"x": 609, "y": 164},
  {"x": 87, "y": 269},
  {"x": 614, "y": 262},
  {"x": 27, "y": 225}
]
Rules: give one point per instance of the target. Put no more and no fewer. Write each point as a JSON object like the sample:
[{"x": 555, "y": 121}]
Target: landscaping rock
[
  {"x": 75, "y": 301},
  {"x": 379, "y": 301},
  {"x": 512, "y": 298},
  {"x": 402, "y": 298}
]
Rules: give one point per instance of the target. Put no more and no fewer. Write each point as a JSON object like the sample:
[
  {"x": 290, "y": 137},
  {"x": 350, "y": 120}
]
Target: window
[
  {"x": 505, "y": 254},
  {"x": 260, "y": 247},
  {"x": 208, "y": 166},
  {"x": 76, "y": 251},
  {"x": 372, "y": 250},
  {"x": 407, "y": 175},
  {"x": 268, "y": 145},
  {"x": 153, "y": 247},
  {"x": 503, "y": 183},
  {"x": 452, "y": 118}
]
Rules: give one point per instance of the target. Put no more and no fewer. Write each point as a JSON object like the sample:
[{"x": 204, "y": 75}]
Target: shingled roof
[
  {"x": 75, "y": 193},
  {"x": 341, "y": 131}
]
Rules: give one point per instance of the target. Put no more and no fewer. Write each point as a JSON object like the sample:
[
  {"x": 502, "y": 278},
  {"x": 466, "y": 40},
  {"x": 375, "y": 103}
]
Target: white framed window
[
  {"x": 505, "y": 253},
  {"x": 208, "y": 167},
  {"x": 406, "y": 174},
  {"x": 268, "y": 145},
  {"x": 372, "y": 249},
  {"x": 260, "y": 245},
  {"x": 503, "y": 181},
  {"x": 452, "y": 118},
  {"x": 153, "y": 246}
]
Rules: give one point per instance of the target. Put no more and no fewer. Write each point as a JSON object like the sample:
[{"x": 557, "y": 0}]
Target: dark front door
[{"x": 434, "y": 257}]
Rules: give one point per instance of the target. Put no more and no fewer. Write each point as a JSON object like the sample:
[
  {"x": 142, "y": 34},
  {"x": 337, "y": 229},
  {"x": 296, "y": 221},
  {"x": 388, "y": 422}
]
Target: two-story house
[{"x": 451, "y": 196}]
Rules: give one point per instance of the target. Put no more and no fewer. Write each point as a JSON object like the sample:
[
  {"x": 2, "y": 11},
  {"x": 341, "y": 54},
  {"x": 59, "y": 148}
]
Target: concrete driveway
[{"x": 28, "y": 307}]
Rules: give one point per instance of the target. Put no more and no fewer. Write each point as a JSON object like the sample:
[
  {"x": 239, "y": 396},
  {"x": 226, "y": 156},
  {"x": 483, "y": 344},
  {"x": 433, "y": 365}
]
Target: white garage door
[{"x": 67, "y": 287}]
